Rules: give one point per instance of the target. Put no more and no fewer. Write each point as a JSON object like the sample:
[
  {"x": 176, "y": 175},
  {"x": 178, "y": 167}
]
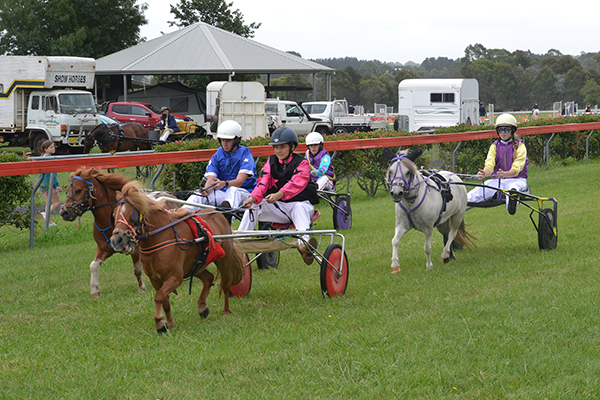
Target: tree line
[{"x": 512, "y": 81}]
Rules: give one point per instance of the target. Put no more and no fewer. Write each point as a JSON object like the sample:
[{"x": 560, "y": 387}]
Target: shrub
[{"x": 16, "y": 191}]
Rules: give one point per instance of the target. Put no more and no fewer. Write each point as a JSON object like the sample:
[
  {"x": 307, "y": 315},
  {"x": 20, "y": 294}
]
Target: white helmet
[
  {"x": 229, "y": 129},
  {"x": 506, "y": 119},
  {"x": 313, "y": 138}
]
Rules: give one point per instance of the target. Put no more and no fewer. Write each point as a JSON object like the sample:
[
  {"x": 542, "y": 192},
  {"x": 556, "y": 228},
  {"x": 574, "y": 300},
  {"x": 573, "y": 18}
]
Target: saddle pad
[{"x": 215, "y": 251}]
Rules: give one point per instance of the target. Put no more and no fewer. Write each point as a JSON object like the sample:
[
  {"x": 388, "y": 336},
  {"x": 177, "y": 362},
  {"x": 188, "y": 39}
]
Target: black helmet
[{"x": 284, "y": 135}]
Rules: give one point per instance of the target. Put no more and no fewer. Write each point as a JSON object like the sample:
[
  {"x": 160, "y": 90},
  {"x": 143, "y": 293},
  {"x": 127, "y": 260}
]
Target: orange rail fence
[{"x": 135, "y": 160}]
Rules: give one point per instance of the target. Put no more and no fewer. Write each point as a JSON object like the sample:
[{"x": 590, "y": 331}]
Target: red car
[{"x": 142, "y": 113}]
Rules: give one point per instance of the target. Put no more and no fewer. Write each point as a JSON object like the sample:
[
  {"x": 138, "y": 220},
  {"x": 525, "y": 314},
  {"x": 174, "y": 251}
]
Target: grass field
[{"x": 503, "y": 321}]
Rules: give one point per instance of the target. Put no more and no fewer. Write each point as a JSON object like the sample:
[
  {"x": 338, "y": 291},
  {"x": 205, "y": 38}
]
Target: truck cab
[
  {"x": 293, "y": 115},
  {"x": 63, "y": 116}
]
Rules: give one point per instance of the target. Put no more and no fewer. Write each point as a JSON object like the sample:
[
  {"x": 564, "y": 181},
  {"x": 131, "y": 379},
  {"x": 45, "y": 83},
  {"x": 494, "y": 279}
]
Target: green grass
[{"x": 503, "y": 321}]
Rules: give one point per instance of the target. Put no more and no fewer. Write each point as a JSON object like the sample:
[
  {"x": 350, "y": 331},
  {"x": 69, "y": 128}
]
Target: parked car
[{"x": 143, "y": 113}]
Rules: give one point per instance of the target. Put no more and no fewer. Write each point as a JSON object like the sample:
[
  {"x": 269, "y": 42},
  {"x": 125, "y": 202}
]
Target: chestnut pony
[
  {"x": 117, "y": 138},
  {"x": 92, "y": 190},
  {"x": 168, "y": 252}
]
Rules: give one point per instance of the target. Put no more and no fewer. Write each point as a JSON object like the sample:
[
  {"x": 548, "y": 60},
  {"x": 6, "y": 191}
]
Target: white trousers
[
  {"x": 325, "y": 183},
  {"x": 299, "y": 212},
  {"x": 165, "y": 135},
  {"x": 234, "y": 195},
  {"x": 480, "y": 194}
]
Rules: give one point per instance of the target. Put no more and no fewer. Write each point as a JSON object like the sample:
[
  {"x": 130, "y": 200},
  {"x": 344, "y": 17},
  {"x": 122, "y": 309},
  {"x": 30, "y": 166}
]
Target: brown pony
[
  {"x": 117, "y": 138},
  {"x": 92, "y": 190},
  {"x": 168, "y": 252}
]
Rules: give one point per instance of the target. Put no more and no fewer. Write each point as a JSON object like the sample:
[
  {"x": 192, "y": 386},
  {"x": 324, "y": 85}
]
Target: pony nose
[{"x": 117, "y": 242}]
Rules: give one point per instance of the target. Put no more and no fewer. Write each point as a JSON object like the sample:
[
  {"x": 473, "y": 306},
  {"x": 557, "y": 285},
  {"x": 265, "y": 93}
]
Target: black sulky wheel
[
  {"x": 242, "y": 288},
  {"x": 332, "y": 283},
  {"x": 342, "y": 216},
  {"x": 547, "y": 240}
]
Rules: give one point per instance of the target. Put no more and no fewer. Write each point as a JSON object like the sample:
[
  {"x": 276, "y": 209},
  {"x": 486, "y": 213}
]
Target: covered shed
[{"x": 202, "y": 49}]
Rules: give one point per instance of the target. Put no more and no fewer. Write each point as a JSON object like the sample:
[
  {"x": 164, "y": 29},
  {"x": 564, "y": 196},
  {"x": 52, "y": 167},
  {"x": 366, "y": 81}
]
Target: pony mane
[
  {"x": 112, "y": 181},
  {"x": 133, "y": 193}
]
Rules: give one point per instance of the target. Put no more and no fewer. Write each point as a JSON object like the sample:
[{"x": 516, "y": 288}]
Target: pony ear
[
  {"x": 388, "y": 153},
  {"x": 413, "y": 154},
  {"x": 119, "y": 195}
]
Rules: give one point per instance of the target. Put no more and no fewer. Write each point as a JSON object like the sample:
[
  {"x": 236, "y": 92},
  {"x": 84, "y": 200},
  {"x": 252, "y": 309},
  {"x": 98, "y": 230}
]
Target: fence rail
[{"x": 135, "y": 160}]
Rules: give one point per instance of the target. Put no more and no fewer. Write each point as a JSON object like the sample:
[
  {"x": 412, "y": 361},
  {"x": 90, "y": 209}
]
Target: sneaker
[
  {"x": 43, "y": 215},
  {"x": 307, "y": 255},
  {"x": 51, "y": 224}
]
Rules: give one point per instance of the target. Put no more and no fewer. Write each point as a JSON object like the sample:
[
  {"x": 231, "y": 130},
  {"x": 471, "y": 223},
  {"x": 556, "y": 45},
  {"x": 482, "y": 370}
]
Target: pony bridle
[
  {"x": 407, "y": 184},
  {"x": 137, "y": 219},
  {"x": 81, "y": 206}
]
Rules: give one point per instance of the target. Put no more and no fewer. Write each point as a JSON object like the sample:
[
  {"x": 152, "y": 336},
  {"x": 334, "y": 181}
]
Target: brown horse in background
[
  {"x": 92, "y": 190},
  {"x": 117, "y": 138},
  {"x": 168, "y": 252}
]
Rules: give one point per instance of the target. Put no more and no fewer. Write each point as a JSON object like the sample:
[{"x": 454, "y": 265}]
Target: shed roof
[{"x": 203, "y": 49}]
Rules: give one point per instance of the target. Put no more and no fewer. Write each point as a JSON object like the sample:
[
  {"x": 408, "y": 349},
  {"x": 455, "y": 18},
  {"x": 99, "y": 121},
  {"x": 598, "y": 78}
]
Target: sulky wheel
[
  {"x": 547, "y": 240},
  {"x": 342, "y": 216},
  {"x": 242, "y": 288},
  {"x": 332, "y": 283}
]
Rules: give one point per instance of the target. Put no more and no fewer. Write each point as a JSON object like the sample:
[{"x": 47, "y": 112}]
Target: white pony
[{"x": 426, "y": 202}]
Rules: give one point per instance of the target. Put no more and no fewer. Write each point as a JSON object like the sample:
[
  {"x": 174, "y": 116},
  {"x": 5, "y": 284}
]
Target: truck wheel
[
  {"x": 339, "y": 130},
  {"x": 323, "y": 130},
  {"x": 36, "y": 144}
]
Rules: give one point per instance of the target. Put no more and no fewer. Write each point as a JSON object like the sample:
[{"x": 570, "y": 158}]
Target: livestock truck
[
  {"x": 45, "y": 98},
  {"x": 427, "y": 104}
]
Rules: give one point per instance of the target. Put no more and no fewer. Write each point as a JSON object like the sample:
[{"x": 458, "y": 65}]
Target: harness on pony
[{"x": 209, "y": 249}]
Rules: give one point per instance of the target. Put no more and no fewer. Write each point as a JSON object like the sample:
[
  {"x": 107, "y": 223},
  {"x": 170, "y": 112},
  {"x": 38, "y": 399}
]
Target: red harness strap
[{"x": 215, "y": 251}]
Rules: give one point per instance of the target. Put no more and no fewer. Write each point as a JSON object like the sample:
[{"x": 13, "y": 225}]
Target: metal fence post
[
  {"x": 547, "y": 149},
  {"x": 587, "y": 146},
  {"x": 454, "y": 157}
]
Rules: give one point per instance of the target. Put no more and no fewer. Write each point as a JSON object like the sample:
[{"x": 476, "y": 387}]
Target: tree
[
  {"x": 217, "y": 13},
  {"x": 591, "y": 91},
  {"x": 544, "y": 87},
  {"x": 574, "y": 82},
  {"x": 504, "y": 86},
  {"x": 483, "y": 71},
  {"x": 69, "y": 27}
]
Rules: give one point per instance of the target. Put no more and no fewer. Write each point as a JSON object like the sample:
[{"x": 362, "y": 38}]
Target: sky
[{"x": 402, "y": 31}]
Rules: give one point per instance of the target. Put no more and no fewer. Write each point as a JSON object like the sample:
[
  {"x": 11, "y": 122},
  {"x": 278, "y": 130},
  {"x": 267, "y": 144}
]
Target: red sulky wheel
[
  {"x": 332, "y": 283},
  {"x": 242, "y": 288}
]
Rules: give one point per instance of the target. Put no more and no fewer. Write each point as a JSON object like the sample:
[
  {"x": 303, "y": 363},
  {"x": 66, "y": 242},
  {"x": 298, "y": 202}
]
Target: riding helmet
[
  {"x": 507, "y": 119},
  {"x": 284, "y": 135}
]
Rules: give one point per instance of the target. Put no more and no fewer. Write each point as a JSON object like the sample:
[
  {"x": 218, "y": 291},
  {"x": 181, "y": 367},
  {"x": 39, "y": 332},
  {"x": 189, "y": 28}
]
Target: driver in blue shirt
[{"x": 231, "y": 171}]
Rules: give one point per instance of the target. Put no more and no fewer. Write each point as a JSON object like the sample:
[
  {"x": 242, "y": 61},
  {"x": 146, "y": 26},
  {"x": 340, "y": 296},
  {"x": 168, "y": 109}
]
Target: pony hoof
[
  {"x": 204, "y": 313},
  {"x": 395, "y": 270},
  {"x": 447, "y": 260},
  {"x": 162, "y": 330},
  {"x": 95, "y": 295}
]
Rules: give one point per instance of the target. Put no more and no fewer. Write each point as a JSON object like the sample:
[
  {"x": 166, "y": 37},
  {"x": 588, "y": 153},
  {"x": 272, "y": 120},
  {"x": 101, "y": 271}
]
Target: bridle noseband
[
  {"x": 400, "y": 180},
  {"x": 133, "y": 232},
  {"x": 81, "y": 206}
]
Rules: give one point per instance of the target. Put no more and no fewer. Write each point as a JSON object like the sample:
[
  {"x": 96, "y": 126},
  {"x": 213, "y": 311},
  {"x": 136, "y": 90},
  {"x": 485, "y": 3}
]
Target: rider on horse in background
[
  {"x": 231, "y": 171},
  {"x": 168, "y": 123},
  {"x": 506, "y": 160}
]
